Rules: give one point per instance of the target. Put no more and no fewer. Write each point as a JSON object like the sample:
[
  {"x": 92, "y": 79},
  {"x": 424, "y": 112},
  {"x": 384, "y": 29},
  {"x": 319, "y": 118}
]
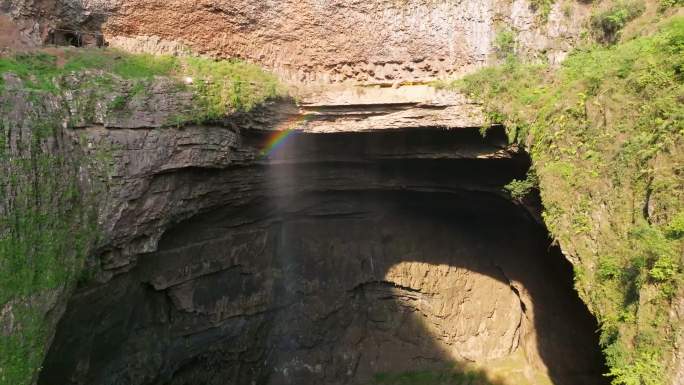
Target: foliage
[
  {"x": 645, "y": 370},
  {"x": 505, "y": 43},
  {"x": 226, "y": 86},
  {"x": 22, "y": 352},
  {"x": 118, "y": 103},
  {"x": 543, "y": 7},
  {"x": 519, "y": 189},
  {"x": 46, "y": 229},
  {"x": 608, "y": 23},
  {"x": 220, "y": 87},
  {"x": 665, "y": 4},
  {"x": 606, "y": 134},
  {"x": 38, "y": 70}
]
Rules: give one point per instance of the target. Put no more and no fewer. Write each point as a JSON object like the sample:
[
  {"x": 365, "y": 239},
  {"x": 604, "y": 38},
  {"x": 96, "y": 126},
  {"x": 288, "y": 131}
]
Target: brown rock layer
[
  {"x": 345, "y": 40},
  {"x": 327, "y": 41}
]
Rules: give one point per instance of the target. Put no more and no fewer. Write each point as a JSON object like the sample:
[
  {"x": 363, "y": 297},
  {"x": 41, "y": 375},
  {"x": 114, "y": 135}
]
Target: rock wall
[
  {"x": 325, "y": 41},
  {"x": 347, "y": 40},
  {"x": 31, "y": 23},
  {"x": 345, "y": 253},
  {"x": 332, "y": 259},
  {"x": 336, "y": 256}
]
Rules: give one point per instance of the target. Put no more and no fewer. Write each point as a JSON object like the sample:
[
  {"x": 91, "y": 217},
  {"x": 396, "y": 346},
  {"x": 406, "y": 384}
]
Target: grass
[
  {"x": 505, "y": 44},
  {"x": 39, "y": 70},
  {"x": 226, "y": 86},
  {"x": 606, "y": 134},
  {"x": 220, "y": 87}
]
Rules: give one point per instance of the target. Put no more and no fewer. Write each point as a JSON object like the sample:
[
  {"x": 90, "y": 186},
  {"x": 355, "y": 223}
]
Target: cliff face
[
  {"x": 375, "y": 237},
  {"x": 30, "y": 23},
  {"x": 335, "y": 258},
  {"x": 321, "y": 41}
]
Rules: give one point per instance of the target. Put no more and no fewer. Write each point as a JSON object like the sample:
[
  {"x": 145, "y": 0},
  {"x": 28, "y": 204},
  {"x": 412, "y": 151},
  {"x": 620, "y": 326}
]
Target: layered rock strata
[
  {"x": 331, "y": 259},
  {"x": 329, "y": 41}
]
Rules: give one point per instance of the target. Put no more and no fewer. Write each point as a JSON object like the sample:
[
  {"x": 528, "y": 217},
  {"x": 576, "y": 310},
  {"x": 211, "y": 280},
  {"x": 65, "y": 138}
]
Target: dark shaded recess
[
  {"x": 415, "y": 143},
  {"x": 76, "y": 27},
  {"x": 290, "y": 265}
]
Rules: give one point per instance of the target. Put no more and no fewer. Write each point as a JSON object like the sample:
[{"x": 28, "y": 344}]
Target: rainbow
[{"x": 281, "y": 134}]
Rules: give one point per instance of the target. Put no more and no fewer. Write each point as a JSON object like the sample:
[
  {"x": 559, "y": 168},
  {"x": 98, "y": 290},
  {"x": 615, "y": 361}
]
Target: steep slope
[
  {"x": 317, "y": 41},
  {"x": 606, "y": 137},
  {"x": 55, "y": 185}
]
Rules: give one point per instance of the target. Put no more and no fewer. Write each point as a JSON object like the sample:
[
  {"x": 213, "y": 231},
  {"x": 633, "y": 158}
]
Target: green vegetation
[
  {"x": 608, "y": 23},
  {"x": 38, "y": 70},
  {"x": 543, "y": 7},
  {"x": 505, "y": 44},
  {"x": 665, "y": 4},
  {"x": 226, "y": 86},
  {"x": 606, "y": 134},
  {"x": 220, "y": 87},
  {"x": 519, "y": 189},
  {"x": 46, "y": 229}
]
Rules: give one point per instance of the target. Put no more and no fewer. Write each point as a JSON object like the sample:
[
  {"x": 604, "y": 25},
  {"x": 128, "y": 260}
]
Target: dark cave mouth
[{"x": 334, "y": 271}]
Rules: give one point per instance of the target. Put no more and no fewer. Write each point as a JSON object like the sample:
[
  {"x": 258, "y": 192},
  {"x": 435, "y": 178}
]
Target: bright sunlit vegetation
[{"x": 606, "y": 133}]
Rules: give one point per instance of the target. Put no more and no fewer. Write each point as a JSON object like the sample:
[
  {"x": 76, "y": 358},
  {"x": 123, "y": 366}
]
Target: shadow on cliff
[
  {"x": 72, "y": 22},
  {"x": 311, "y": 269},
  {"x": 389, "y": 232}
]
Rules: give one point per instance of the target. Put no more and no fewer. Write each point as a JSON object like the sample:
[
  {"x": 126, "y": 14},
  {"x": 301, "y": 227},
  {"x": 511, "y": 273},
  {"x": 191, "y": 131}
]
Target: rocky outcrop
[
  {"x": 334, "y": 258},
  {"x": 338, "y": 41},
  {"x": 338, "y": 255},
  {"x": 328, "y": 41},
  {"x": 375, "y": 238},
  {"x": 62, "y": 22}
]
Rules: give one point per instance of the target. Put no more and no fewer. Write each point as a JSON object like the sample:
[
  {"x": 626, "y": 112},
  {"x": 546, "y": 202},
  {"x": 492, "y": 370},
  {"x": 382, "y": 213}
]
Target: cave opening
[
  {"x": 74, "y": 38},
  {"x": 342, "y": 258},
  {"x": 65, "y": 38}
]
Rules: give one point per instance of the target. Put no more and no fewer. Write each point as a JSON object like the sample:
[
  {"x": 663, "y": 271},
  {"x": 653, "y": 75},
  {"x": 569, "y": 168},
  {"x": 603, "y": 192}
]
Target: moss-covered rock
[
  {"x": 54, "y": 182},
  {"x": 606, "y": 134}
]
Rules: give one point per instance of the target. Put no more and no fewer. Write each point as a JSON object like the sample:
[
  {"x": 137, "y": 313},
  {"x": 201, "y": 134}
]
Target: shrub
[
  {"x": 608, "y": 24},
  {"x": 664, "y": 269},
  {"x": 675, "y": 230},
  {"x": 665, "y": 4},
  {"x": 519, "y": 189},
  {"x": 609, "y": 267},
  {"x": 543, "y": 7},
  {"x": 600, "y": 130},
  {"x": 646, "y": 370},
  {"x": 505, "y": 43}
]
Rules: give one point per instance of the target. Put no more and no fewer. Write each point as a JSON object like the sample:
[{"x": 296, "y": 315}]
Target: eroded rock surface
[
  {"x": 328, "y": 41},
  {"x": 347, "y": 40},
  {"x": 333, "y": 258}
]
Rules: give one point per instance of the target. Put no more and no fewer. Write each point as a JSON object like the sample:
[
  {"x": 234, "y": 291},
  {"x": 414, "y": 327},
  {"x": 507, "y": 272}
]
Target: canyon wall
[
  {"x": 195, "y": 277},
  {"x": 318, "y": 41},
  {"x": 338, "y": 257}
]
